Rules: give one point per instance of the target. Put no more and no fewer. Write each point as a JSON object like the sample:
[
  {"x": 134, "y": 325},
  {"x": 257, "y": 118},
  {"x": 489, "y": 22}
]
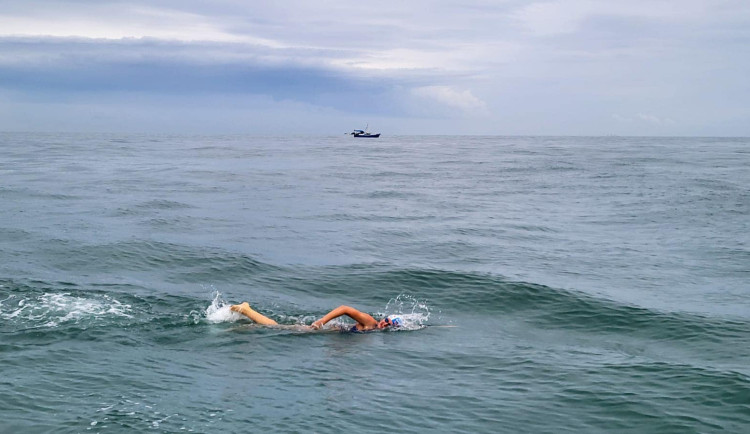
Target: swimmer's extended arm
[
  {"x": 248, "y": 311},
  {"x": 362, "y": 318}
]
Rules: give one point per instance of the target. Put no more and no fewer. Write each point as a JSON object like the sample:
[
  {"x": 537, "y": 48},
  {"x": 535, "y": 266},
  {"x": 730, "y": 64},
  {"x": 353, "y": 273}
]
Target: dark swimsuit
[{"x": 353, "y": 329}]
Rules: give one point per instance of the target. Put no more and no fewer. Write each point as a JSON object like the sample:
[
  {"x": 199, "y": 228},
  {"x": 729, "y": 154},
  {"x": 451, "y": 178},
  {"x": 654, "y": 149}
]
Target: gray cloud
[{"x": 506, "y": 67}]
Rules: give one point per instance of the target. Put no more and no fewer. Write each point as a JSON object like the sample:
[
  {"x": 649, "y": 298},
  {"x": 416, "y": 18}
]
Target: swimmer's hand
[
  {"x": 317, "y": 325},
  {"x": 239, "y": 307}
]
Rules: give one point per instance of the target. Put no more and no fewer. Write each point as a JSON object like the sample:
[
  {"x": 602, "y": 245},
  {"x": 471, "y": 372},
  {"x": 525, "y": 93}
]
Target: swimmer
[{"x": 365, "y": 322}]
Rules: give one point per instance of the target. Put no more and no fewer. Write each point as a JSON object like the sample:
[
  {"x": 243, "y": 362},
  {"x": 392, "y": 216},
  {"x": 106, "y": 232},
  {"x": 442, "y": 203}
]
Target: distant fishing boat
[{"x": 364, "y": 133}]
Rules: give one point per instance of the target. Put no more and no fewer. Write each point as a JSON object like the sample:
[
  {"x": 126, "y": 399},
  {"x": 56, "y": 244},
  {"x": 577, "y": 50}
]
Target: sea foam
[{"x": 54, "y": 309}]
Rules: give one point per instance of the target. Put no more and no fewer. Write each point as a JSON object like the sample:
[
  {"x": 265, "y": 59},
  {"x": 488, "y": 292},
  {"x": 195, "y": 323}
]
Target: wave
[
  {"x": 183, "y": 263},
  {"x": 150, "y": 207},
  {"x": 381, "y": 288},
  {"x": 466, "y": 293}
]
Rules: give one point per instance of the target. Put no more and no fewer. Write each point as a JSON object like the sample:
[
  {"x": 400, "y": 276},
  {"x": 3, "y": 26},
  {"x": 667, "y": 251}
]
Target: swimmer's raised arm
[{"x": 363, "y": 319}]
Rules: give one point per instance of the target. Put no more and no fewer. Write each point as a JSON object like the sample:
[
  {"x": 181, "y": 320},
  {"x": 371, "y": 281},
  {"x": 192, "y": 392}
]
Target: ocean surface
[{"x": 548, "y": 284}]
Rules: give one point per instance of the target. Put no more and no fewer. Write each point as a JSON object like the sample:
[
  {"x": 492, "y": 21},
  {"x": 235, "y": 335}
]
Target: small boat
[
  {"x": 360, "y": 133},
  {"x": 364, "y": 133}
]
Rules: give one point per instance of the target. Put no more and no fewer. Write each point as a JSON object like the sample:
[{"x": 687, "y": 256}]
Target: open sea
[{"x": 548, "y": 284}]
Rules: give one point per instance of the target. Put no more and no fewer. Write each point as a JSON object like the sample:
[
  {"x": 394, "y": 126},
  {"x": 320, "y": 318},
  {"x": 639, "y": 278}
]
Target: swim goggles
[{"x": 395, "y": 322}]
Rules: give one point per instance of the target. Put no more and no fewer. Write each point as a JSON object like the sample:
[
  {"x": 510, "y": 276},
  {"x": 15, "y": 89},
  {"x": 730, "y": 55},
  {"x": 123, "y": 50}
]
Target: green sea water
[{"x": 548, "y": 285}]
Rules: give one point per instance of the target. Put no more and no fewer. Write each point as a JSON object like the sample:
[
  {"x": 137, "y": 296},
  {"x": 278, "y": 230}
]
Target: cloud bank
[{"x": 661, "y": 67}]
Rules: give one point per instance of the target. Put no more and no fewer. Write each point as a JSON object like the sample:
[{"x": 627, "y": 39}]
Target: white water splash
[
  {"x": 54, "y": 309},
  {"x": 414, "y": 312},
  {"x": 219, "y": 311}
]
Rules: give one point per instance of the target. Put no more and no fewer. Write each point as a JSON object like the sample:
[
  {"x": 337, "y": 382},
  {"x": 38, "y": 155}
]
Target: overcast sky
[{"x": 509, "y": 67}]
